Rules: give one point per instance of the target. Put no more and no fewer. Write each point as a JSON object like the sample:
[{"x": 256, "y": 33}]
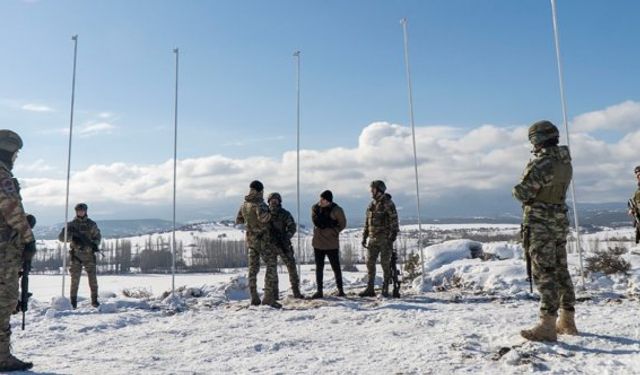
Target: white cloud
[
  {"x": 623, "y": 116},
  {"x": 485, "y": 158},
  {"x": 92, "y": 129},
  {"x": 39, "y": 165},
  {"x": 36, "y": 108}
]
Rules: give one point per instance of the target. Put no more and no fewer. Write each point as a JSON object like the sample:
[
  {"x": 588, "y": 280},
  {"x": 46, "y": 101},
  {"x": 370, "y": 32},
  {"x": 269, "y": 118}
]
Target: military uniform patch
[{"x": 8, "y": 186}]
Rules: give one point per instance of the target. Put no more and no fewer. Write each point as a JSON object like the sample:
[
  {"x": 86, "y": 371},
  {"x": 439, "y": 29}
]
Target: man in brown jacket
[{"x": 328, "y": 220}]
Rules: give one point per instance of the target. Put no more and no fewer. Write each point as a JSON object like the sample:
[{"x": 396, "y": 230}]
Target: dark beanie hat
[
  {"x": 328, "y": 195},
  {"x": 256, "y": 185}
]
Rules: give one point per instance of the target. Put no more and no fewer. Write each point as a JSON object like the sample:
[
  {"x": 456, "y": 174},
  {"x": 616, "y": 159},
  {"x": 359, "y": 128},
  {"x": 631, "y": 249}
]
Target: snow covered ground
[{"x": 465, "y": 318}]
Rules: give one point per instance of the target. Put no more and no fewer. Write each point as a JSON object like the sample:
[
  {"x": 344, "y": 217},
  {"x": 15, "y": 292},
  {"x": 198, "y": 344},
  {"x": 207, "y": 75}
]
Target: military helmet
[
  {"x": 542, "y": 131},
  {"x": 274, "y": 195},
  {"x": 81, "y": 207},
  {"x": 378, "y": 185},
  {"x": 10, "y": 141},
  {"x": 636, "y": 169},
  {"x": 256, "y": 185}
]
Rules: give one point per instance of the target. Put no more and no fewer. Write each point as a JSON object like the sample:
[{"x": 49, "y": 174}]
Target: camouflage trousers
[
  {"x": 384, "y": 247},
  {"x": 10, "y": 265},
  {"x": 266, "y": 251},
  {"x": 547, "y": 246},
  {"x": 83, "y": 258},
  {"x": 289, "y": 260}
]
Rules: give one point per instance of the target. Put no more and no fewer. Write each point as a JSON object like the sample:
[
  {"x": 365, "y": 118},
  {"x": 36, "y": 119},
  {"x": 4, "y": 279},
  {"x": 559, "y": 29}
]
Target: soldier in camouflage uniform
[
  {"x": 283, "y": 227},
  {"x": 255, "y": 214},
  {"x": 85, "y": 237},
  {"x": 635, "y": 200},
  {"x": 381, "y": 227},
  {"x": 16, "y": 242},
  {"x": 542, "y": 192}
]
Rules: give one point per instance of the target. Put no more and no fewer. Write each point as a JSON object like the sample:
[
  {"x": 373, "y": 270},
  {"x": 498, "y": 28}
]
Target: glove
[
  {"x": 393, "y": 236},
  {"x": 364, "y": 242},
  {"x": 29, "y": 250}
]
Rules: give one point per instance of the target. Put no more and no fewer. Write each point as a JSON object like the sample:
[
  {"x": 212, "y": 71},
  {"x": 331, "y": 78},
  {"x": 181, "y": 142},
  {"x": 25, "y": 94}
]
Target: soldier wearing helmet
[
  {"x": 381, "y": 228},
  {"x": 85, "y": 237},
  {"x": 283, "y": 227},
  {"x": 255, "y": 214},
  {"x": 542, "y": 192},
  {"x": 634, "y": 204},
  {"x": 16, "y": 242}
]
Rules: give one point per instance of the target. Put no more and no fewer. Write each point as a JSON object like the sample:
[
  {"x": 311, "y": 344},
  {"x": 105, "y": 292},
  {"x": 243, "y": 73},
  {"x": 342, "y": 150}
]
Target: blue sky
[{"x": 473, "y": 63}]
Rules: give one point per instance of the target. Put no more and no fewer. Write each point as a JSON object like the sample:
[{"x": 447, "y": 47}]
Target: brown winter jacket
[{"x": 328, "y": 222}]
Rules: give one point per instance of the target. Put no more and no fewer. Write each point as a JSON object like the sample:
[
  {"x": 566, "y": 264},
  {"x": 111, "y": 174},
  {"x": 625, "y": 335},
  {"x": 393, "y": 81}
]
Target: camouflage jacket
[
  {"x": 82, "y": 233},
  {"x": 544, "y": 185},
  {"x": 13, "y": 221},
  {"x": 636, "y": 196},
  {"x": 283, "y": 226},
  {"x": 254, "y": 213},
  {"x": 381, "y": 218}
]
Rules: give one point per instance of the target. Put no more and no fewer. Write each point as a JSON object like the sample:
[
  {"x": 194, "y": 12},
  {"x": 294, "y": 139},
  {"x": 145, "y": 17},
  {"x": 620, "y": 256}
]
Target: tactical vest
[
  {"x": 251, "y": 220},
  {"x": 6, "y": 232},
  {"x": 278, "y": 217},
  {"x": 636, "y": 197},
  {"x": 556, "y": 192},
  {"x": 377, "y": 217},
  {"x": 83, "y": 226}
]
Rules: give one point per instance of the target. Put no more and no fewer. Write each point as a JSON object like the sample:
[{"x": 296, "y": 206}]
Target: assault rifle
[
  {"x": 524, "y": 233},
  {"x": 280, "y": 238},
  {"x": 23, "y": 303},
  {"x": 395, "y": 274},
  {"x": 83, "y": 240},
  {"x": 636, "y": 216}
]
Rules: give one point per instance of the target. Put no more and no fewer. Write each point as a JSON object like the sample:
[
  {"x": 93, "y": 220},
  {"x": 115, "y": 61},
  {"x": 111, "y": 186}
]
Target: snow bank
[
  {"x": 462, "y": 264},
  {"x": 61, "y": 304},
  {"x": 438, "y": 255}
]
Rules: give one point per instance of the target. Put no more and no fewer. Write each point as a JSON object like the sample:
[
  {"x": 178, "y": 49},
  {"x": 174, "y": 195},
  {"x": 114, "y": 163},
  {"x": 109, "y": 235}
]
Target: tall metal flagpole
[
  {"x": 175, "y": 167},
  {"x": 66, "y": 201},
  {"x": 566, "y": 128},
  {"x": 296, "y": 55},
  {"x": 403, "y": 22}
]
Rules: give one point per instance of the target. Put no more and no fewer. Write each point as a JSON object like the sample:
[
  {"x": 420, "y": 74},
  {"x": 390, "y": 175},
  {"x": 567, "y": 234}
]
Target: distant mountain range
[
  {"x": 113, "y": 228},
  {"x": 592, "y": 217}
]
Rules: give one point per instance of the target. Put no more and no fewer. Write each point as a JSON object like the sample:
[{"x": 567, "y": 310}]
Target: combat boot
[
  {"x": 11, "y": 363},
  {"x": 566, "y": 324},
  {"x": 296, "y": 292},
  {"x": 74, "y": 302},
  {"x": 396, "y": 293},
  {"x": 317, "y": 295},
  {"x": 255, "y": 298},
  {"x": 94, "y": 301},
  {"x": 271, "y": 302},
  {"x": 545, "y": 330},
  {"x": 368, "y": 292},
  {"x": 385, "y": 289}
]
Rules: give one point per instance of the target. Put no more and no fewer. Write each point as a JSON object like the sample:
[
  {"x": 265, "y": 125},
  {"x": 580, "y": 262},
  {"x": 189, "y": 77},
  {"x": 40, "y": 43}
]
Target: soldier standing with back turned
[
  {"x": 545, "y": 222},
  {"x": 255, "y": 214},
  {"x": 16, "y": 242},
  {"x": 85, "y": 237}
]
